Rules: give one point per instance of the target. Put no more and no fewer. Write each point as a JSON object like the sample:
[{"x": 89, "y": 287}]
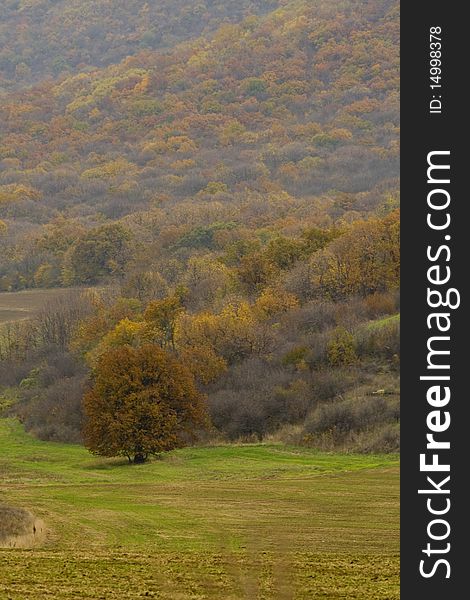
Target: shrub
[
  {"x": 382, "y": 439},
  {"x": 14, "y": 522},
  {"x": 341, "y": 349},
  {"x": 254, "y": 398},
  {"x": 351, "y": 414},
  {"x": 381, "y": 304},
  {"x": 363, "y": 424},
  {"x": 314, "y": 317},
  {"x": 54, "y": 413},
  {"x": 380, "y": 339},
  {"x": 295, "y": 357},
  {"x": 331, "y": 383}
]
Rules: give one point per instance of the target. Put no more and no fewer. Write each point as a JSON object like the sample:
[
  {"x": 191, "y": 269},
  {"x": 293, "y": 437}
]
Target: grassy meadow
[{"x": 224, "y": 522}]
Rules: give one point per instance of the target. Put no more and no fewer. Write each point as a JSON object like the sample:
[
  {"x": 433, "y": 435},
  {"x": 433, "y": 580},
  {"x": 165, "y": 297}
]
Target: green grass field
[{"x": 227, "y": 522}]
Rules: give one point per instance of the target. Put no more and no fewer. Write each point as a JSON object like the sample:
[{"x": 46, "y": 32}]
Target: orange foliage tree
[{"x": 143, "y": 402}]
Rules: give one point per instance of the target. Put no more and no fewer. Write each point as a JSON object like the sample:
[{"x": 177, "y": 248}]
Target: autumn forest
[{"x": 215, "y": 183}]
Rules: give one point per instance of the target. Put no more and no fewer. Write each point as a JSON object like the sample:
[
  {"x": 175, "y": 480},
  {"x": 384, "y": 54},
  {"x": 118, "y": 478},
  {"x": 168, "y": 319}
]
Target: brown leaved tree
[{"x": 143, "y": 401}]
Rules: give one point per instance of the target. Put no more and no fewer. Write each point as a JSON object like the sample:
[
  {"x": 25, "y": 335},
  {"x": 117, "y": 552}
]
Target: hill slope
[
  {"x": 303, "y": 100},
  {"x": 48, "y": 38}
]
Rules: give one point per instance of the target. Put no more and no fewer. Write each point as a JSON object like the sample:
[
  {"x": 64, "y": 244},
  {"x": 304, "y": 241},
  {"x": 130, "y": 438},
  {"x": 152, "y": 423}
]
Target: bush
[
  {"x": 341, "y": 349},
  {"x": 345, "y": 416},
  {"x": 12, "y": 372},
  {"x": 364, "y": 423},
  {"x": 59, "y": 365},
  {"x": 311, "y": 318},
  {"x": 255, "y": 398},
  {"x": 295, "y": 357},
  {"x": 54, "y": 413},
  {"x": 14, "y": 522},
  {"x": 383, "y": 439},
  {"x": 331, "y": 383},
  {"x": 382, "y": 304},
  {"x": 380, "y": 339}
]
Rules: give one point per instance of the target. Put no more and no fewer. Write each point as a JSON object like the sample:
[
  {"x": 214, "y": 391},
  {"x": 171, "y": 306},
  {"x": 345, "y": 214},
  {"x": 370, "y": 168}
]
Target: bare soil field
[{"x": 16, "y": 306}]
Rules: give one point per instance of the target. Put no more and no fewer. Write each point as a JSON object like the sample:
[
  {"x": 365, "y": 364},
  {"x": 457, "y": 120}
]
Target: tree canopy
[{"x": 143, "y": 402}]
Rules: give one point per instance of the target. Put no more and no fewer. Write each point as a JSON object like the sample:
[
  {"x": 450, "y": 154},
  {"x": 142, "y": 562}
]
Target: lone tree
[{"x": 143, "y": 402}]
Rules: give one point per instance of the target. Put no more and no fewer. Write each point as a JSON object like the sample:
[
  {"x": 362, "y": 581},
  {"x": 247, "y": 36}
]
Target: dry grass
[{"x": 14, "y": 522}]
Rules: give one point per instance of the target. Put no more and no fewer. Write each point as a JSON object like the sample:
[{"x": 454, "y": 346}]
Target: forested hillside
[
  {"x": 52, "y": 38},
  {"x": 294, "y": 112},
  {"x": 225, "y": 174}
]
